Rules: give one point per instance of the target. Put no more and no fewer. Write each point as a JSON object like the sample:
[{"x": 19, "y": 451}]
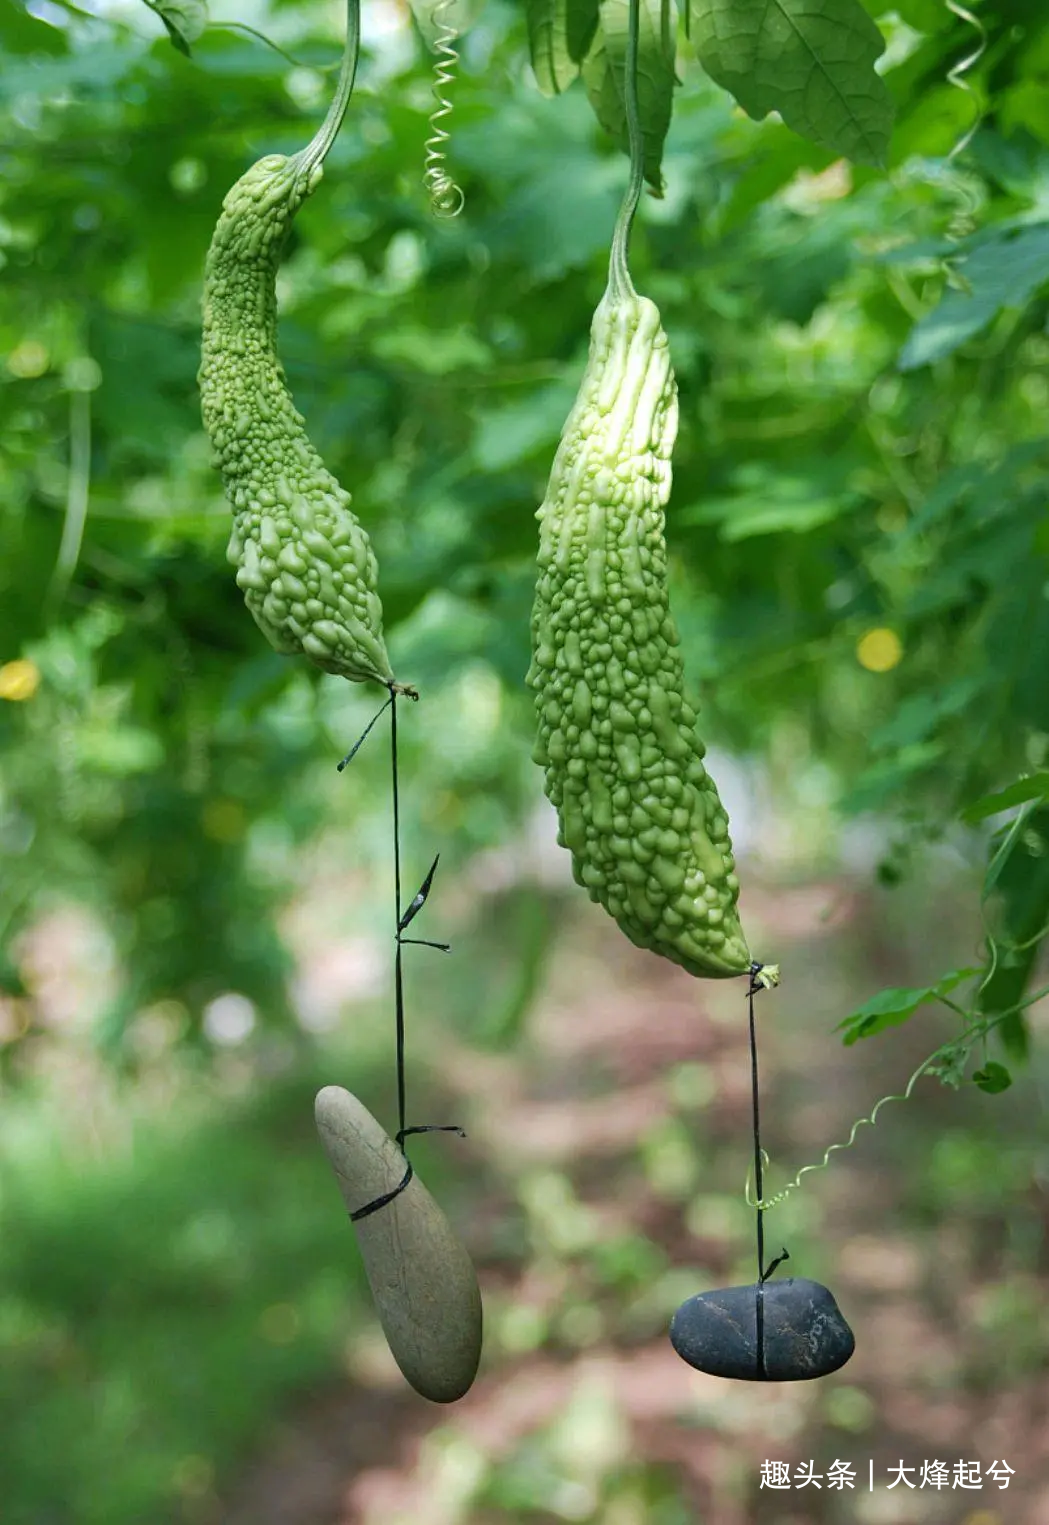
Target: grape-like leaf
[
  {"x": 891, "y": 1008},
  {"x": 810, "y": 60}
]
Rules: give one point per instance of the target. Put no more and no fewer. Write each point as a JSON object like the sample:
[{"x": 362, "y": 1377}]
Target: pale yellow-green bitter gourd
[
  {"x": 303, "y": 561},
  {"x": 636, "y": 807}
]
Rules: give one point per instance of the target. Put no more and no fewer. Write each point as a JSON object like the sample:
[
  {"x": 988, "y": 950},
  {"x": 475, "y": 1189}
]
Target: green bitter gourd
[
  {"x": 637, "y": 809},
  {"x": 304, "y": 562}
]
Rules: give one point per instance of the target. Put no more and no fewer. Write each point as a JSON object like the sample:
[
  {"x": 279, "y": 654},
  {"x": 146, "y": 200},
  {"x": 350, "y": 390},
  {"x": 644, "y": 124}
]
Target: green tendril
[
  {"x": 446, "y": 197},
  {"x": 964, "y": 220},
  {"x": 780, "y": 1196},
  {"x": 977, "y": 1031},
  {"x": 956, "y": 75},
  {"x": 250, "y": 31}
]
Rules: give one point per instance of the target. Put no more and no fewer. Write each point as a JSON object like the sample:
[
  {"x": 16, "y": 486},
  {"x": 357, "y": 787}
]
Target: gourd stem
[
  {"x": 316, "y": 150},
  {"x": 619, "y": 281}
]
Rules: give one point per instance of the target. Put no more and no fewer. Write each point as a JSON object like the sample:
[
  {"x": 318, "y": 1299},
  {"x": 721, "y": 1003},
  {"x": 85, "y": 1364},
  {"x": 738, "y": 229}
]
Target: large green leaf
[
  {"x": 559, "y": 35},
  {"x": 185, "y": 21},
  {"x": 580, "y": 26},
  {"x": 1034, "y": 787},
  {"x": 23, "y": 33},
  {"x": 435, "y": 18},
  {"x": 1002, "y": 273},
  {"x": 604, "y": 71},
  {"x": 890, "y": 1008},
  {"x": 552, "y": 63},
  {"x": 810, "y": 60},
  {"x": 993, "y": 1078},
  {"x": 1019, "y": 874}
]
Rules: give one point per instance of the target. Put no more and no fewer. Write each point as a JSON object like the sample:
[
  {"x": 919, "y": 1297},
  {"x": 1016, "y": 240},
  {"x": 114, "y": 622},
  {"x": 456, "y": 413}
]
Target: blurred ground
[{"x": 605, "y": 1165}]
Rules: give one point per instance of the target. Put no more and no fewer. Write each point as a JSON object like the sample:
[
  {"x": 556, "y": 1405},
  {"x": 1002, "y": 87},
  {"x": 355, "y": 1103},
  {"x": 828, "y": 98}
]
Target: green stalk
[
  {"x": 619, "y": 282},
  {"x": 316, "y": 150}
]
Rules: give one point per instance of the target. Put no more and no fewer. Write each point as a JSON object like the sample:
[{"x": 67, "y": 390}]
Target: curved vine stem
[
  {"x": 619, "y": 281},
  {"x": 217, "y": 25},
  {"x": 316, "y": 150},
  {"x": 250, "y": 31}
]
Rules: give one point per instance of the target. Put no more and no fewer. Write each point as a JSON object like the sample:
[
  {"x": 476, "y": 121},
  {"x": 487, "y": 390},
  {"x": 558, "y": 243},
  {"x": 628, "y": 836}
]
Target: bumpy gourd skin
[
  {"x": 637, "y": 809},
  {"x": 303, "y": 560}
]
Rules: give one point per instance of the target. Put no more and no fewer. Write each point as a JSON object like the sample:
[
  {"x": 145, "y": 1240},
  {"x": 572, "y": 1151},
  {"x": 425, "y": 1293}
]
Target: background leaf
[
  {"x": 552, "y": 61},
  {"x": 1021, "y": 881},
  {"x": 1001, "y": 273},
  {"x": 810, "y": 60},
  {"x": 580, "y": 25},
  {"x": 1035, "y": 787},
  {"x": 184, "y": 20},
  {"x": 460, "y": 14},
  {"x": 890, "y": 1008},
  {"x": 603, "y": 74},
  {"x": 993, "y": 1078}
]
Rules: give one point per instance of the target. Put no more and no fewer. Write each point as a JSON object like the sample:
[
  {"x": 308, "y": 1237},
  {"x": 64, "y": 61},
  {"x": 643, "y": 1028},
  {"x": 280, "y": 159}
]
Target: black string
[
  {"x": 400, "y": 923},
  {"x": 387, "y": 1196},
  {"x": 763, "y": 1272},
  {"x": 398, "y": 969},
  {"x": 352, "y": 753}
]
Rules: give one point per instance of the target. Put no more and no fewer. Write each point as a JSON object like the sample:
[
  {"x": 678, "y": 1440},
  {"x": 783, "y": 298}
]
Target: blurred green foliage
[
  {"x": 158, "y": 1310},
  {"x": 861, "y": 358},
  {"x": 861, "y": 560}
]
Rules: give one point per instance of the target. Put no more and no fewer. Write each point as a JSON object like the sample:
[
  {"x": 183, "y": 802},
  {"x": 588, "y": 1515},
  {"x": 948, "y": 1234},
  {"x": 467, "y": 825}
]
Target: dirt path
[{"x": 623, "y": 1113}]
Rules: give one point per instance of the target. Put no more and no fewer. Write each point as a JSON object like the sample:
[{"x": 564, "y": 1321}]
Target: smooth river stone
[
  {"x": 805, "y": 1334},
  {"x": 422, "y": 1279}
]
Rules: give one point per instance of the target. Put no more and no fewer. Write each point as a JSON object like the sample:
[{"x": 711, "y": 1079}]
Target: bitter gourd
[
  {"x": 637, "y": 809},
  {"x": 303, "y": 560}
]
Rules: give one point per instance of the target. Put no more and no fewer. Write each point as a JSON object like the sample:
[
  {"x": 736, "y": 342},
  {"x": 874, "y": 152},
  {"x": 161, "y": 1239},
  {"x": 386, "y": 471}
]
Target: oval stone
[
  {"x": 805, "y": 1334},
  {"x": 422, "y": 1279}
]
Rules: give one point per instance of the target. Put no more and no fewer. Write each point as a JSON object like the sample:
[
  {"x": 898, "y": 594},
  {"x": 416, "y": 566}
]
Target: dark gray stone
[{"x": 804, "y": 1333}]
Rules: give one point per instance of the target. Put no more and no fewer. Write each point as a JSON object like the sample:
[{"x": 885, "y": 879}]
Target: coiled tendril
[
  {"x": 955, "y": 1052},
  {"x": 944, "y": 173},
  {"x": 956, "y": 74},
  {"x": 766, "y": 1203},
  {"x": 964, "y": 220},
  {"x": 446, "y": 197}
]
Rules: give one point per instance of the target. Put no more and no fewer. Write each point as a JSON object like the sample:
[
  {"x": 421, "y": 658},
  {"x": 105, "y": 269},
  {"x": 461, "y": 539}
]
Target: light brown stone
[{"x": 422, "y": 1279}]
